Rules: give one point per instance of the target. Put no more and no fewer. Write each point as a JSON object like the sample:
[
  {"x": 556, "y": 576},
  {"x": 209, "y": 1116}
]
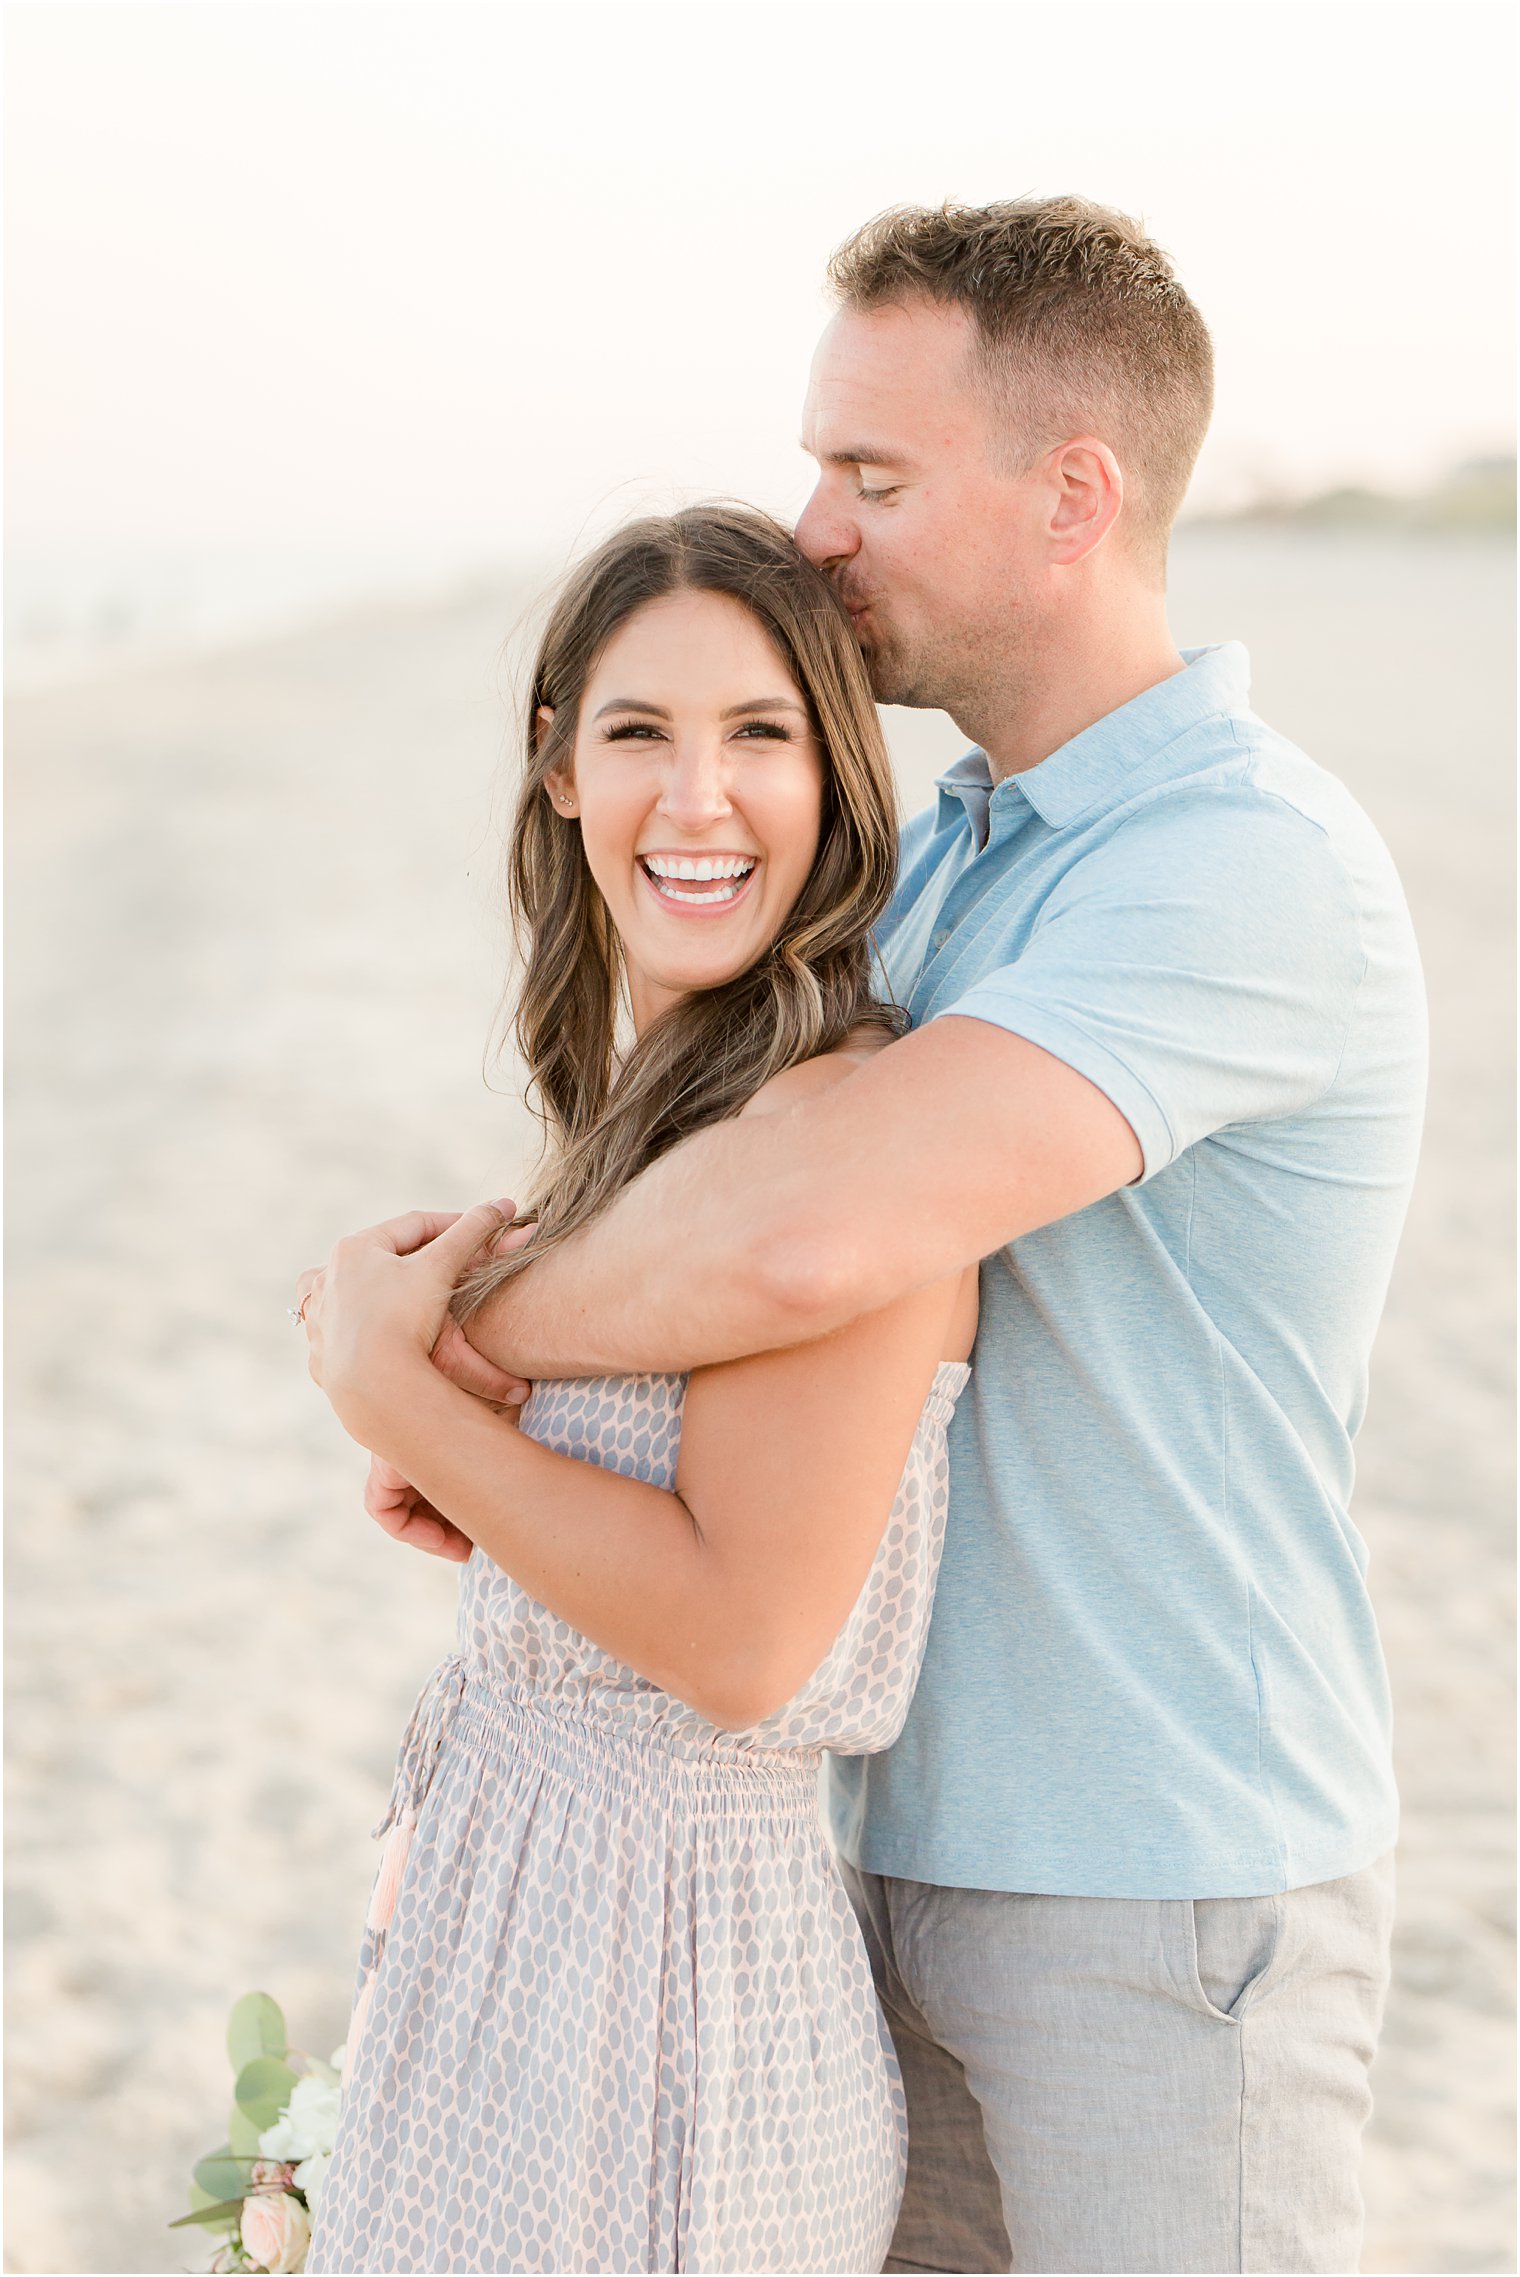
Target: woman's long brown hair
[{"x": 700, "y": 1061}]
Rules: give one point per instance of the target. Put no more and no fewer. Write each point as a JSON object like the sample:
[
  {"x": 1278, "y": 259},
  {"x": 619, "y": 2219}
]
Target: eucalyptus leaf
[
  {"x": 242, "y": 2134},
  {"x": 263, "y": 2089},
  {"x": 255, "y": 2028},
  {"x": 223, "y": 2176},
  {"x": 323, "y": 2071},
  {"x": 228, "y": 2213}
]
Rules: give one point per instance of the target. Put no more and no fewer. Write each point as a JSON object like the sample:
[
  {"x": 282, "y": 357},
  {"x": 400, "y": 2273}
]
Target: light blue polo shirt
[{"x": 1153, "y": 1669}]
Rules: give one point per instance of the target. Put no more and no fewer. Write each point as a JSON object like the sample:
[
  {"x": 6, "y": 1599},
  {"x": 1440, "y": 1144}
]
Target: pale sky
[{"x": 473, "y": 279}]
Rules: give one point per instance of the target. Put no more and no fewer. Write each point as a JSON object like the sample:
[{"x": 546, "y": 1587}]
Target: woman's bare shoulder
[{"x": 811, "y": 1076}]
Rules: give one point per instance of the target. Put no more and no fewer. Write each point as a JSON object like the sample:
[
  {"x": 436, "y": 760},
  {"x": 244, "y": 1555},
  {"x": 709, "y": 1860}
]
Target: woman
[{"x": 615, "y": 2013}]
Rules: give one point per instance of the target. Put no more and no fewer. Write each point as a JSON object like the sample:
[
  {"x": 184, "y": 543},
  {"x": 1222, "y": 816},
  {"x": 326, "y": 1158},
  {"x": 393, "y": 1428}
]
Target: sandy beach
[{"x": 255, "y": 950}]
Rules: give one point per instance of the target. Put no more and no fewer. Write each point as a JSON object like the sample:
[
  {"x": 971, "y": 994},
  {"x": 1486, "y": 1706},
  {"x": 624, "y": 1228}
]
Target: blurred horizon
[
  {"x": 343, "y": 299},
  {"x": 68, "y": 616}
]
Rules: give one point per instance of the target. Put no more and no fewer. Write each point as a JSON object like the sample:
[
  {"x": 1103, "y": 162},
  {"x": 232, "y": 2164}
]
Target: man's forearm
[
  {"x": 671, "y": 1277},
  {"x": 774, "y": 1229}
]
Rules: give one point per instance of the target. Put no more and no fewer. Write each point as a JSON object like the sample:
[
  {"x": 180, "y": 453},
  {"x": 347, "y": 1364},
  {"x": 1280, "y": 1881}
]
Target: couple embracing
[{"x": 944, "y": 1321}]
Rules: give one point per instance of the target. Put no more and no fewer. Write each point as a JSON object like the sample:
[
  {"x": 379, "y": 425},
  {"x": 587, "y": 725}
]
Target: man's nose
[
  {"x": 825, "y": 535},
  {"x": 695, "y": 793}
]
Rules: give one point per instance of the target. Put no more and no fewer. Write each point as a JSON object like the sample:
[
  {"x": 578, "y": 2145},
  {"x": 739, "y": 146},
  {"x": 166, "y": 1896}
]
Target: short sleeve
[{"x": 1199, "y": 967}]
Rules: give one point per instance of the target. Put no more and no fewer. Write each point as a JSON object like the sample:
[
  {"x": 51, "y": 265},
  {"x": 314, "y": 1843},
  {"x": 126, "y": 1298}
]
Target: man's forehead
[
  {"x": 894, "y": 335},
  {"x": 882, "y": 376}
]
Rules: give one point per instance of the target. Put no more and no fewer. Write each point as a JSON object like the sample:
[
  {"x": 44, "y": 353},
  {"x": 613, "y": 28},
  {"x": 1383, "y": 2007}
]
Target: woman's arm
[{"x": 729, "y": 1591}]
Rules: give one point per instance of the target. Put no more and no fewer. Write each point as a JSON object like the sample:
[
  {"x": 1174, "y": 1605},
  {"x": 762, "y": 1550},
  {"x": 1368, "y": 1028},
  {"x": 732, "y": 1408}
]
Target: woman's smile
[{"x": 699, "y": 885}]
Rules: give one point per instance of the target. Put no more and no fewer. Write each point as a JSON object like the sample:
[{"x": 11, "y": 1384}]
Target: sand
[{"x": 254, "y": 952}]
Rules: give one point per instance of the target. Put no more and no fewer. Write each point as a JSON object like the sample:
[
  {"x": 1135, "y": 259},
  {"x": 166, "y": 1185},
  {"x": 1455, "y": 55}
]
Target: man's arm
[{"x": 776, "y": 1229}]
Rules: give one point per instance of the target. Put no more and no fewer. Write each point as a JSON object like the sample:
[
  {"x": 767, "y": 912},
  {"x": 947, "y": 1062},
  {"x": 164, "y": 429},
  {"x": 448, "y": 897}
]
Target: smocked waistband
[{"x": 463, "y": 1703}]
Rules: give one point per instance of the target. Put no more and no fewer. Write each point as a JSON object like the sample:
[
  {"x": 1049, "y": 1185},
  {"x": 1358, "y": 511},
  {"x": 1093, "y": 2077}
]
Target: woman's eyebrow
[{"x": 734, "y": 711}]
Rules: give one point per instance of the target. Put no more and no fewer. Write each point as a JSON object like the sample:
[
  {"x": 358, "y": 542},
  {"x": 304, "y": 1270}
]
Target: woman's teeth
[{"x": 705, "y": 878}]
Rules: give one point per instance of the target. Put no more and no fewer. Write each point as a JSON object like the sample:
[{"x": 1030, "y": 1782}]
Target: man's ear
[{"x": 1088, "y": 486}]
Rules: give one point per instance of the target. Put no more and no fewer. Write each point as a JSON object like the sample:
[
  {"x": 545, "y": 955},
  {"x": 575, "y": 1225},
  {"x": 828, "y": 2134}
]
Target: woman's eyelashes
[{"x": 637, "y": 730}]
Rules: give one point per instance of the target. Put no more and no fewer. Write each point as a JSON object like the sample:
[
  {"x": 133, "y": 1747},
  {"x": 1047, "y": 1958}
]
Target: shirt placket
[{"x": 953, "y": 940}]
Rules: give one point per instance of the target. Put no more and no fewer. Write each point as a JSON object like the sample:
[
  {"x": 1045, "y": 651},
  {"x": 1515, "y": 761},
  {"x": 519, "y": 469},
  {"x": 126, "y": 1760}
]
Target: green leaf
[
  {"x": 263, "y": 2089},
  {"x": 222, "y": 2176},
  {"x": 323, "y": 2071},
  {"x": 255, "y": 2028},
  {"x": 230, "y": 2212},
  {"x": 242, "y": 2134}
]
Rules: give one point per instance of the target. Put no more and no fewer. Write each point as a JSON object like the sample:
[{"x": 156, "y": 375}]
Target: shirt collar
[
  {"x": 967, "y": 784},
  {"x": 1095, "y": 767}
]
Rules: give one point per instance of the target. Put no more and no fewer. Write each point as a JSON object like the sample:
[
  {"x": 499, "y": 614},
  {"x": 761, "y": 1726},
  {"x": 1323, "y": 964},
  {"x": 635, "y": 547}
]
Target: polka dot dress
[{"x": 614, "y": 2011}]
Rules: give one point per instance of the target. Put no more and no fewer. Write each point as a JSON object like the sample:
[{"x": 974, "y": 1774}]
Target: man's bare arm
[{"x": 776, "y": 1229}]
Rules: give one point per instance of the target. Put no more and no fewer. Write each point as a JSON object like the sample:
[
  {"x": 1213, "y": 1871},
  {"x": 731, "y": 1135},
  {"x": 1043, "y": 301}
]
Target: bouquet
[{"x": 260, "y": 2187}]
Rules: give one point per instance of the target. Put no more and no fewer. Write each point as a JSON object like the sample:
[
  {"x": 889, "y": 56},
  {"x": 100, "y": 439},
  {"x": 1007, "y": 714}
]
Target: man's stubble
[{"x": 979, "y": 678}]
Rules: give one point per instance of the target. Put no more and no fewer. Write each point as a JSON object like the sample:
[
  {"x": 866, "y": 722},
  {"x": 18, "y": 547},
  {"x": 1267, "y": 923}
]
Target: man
[{"x": 1125, "y": 1878}]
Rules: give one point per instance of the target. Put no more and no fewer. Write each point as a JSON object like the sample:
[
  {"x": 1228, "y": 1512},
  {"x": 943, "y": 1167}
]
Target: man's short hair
[{"x": 1083, "y": 329}]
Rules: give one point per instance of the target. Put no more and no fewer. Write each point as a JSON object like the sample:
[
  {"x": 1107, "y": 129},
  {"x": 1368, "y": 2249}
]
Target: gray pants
[{"x": 1131, "y": 2084}]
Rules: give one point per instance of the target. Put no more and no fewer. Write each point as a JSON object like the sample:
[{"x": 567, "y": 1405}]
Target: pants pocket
[{"x": 1230, "y": 1945}]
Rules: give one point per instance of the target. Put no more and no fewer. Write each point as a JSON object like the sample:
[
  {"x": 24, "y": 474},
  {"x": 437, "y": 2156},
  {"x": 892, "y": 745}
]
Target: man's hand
[
  {"x": 408, "y": 1517},
  {"x": 381, "y": 1301},
  {"x": 455, "y": 1356}
]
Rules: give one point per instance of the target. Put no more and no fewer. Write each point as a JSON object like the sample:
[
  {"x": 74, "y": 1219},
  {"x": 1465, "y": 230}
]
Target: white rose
[
  {"x": 308, "y": 2126},
  {"x": 310, "y": 2176},
  {"x": 279, "y": 2140}
]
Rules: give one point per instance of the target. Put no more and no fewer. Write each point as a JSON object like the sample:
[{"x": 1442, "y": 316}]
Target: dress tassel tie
[
  {"x": 416, "y": 1762},
  {"x": 422, "y": 1742}
]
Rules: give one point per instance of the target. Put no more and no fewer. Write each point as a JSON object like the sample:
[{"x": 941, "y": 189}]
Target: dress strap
[{"x": 950, "y": 1380}]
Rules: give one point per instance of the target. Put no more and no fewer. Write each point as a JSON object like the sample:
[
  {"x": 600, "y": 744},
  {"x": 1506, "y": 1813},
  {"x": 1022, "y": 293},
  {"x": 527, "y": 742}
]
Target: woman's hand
[
  {"x": 407, "y": 1516},
  {"x": 380, "y": 1303}
]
